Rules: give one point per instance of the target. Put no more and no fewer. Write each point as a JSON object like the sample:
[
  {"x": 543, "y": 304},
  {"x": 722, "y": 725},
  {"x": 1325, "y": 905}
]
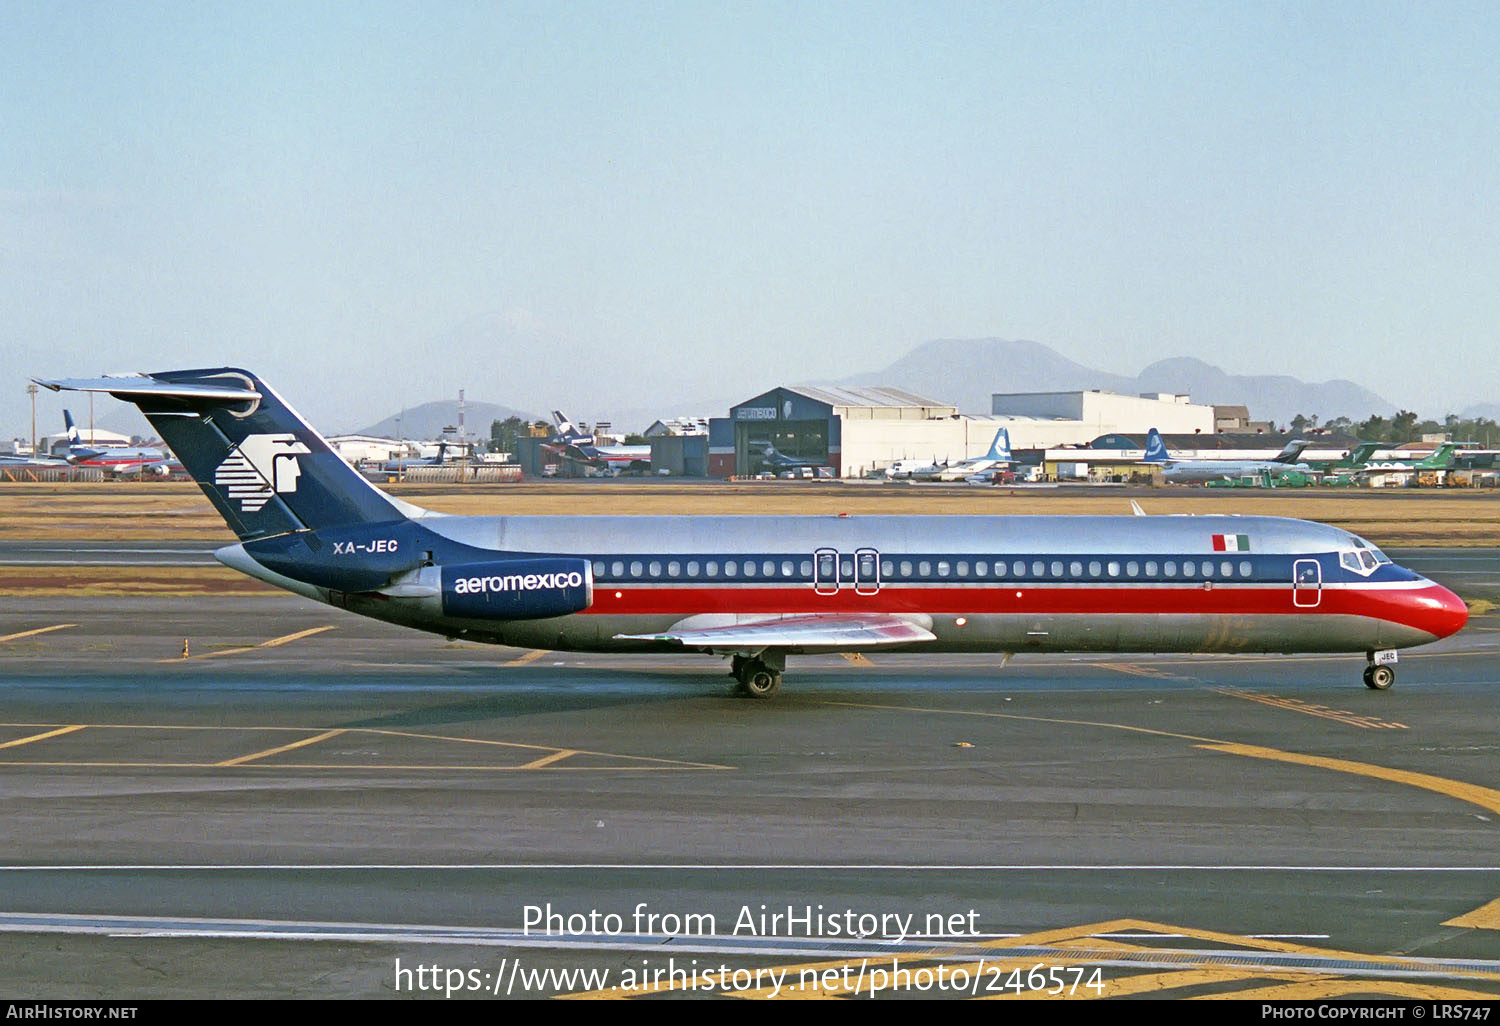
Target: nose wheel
[{"x": 1379, "y": 678}]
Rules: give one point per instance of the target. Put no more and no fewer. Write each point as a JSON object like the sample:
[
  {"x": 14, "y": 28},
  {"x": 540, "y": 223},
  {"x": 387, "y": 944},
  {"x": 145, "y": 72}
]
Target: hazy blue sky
[{"x": 592, "y": 203}]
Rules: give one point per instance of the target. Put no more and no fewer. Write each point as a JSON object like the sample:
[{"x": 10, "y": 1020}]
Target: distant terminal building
[
  {"x": 1045, "y": 420},
  {"x": 852, "y": 431},
  {"x": 96, "y": 438},
  {"x": 364, "y": 448},
  {"x": 677, "y": 426}
]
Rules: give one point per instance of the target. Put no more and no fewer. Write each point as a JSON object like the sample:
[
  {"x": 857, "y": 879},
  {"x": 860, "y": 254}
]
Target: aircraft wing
[{"x": 834, "y": 632}]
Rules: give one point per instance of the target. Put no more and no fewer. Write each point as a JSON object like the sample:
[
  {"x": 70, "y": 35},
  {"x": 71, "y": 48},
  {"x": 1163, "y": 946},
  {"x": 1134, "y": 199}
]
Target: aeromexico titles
[{"x": 757, "y": 589}]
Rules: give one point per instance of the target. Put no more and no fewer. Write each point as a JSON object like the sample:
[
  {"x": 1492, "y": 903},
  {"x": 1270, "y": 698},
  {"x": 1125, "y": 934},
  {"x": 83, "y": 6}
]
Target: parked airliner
[
  {"x": 756, "y": 589},
  {"x": 1176, "y": 471}
]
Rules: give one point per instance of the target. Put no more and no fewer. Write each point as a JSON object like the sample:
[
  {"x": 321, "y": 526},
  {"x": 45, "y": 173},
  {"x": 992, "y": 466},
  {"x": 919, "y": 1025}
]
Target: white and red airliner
[{"x": 757, "y": 589}]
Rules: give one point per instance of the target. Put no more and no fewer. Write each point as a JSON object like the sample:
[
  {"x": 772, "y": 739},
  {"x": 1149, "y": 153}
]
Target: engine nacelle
[{"x": 518, "y": 589}]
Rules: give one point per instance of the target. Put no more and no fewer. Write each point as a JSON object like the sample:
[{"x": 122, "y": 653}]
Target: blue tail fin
[
  {"x": 264, "y": 469},
  {"x": 1156, "y": 449},
  {"x": 1000, "y": 447}
]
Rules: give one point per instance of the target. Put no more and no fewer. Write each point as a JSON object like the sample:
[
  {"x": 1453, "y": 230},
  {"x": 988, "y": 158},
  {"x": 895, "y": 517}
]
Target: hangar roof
[{"x": 866, "y": 395}]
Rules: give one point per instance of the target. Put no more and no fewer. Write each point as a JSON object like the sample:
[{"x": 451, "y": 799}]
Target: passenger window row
[{"x": 784, "y": 569}]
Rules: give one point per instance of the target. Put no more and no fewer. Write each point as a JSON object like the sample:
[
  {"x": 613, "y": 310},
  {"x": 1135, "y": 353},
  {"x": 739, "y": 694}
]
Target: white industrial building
[
  {"x": 852, "y": 430},
  {"x": 1045, "y": 420}
]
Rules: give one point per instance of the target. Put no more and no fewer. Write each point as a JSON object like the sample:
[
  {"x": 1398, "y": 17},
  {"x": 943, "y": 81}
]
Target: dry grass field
[
  {"x": 142, "y": 511},
  {"x": 136, "y": 511}
]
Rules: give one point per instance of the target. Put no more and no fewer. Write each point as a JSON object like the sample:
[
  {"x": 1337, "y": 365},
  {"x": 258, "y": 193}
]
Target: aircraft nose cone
[{"x": 1443, "y": 613}]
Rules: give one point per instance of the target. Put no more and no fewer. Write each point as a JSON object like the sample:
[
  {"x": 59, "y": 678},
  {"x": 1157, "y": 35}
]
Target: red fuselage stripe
[{"x": 1420, "y": 608}]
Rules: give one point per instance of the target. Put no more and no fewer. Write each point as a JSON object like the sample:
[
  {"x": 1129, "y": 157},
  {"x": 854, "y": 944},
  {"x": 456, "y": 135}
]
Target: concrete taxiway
[{"x": 308, "y": 803}]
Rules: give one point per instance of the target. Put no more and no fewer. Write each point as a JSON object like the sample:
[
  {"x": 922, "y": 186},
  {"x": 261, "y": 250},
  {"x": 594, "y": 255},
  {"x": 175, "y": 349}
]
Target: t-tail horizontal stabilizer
[{"x": 260, "y": 464}]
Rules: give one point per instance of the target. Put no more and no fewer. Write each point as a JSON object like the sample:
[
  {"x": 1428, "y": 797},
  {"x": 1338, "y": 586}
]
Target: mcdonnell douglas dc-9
[{"x": 756, "y": 589}]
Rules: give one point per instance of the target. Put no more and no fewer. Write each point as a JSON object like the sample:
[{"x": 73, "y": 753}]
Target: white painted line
[{"x": 679, "y": 867}]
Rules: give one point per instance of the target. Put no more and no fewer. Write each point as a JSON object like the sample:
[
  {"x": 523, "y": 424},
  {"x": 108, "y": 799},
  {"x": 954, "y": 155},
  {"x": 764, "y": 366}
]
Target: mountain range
[
  {"x": 429, "y": 420},
  {"x": 965, "y": 372}
]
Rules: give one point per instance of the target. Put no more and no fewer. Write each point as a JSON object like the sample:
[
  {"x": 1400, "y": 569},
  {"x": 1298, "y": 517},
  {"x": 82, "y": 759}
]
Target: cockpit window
[{"x": 1366, "y": 556}]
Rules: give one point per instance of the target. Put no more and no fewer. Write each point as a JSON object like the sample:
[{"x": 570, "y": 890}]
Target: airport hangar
[{"x": 854, "y": 431}]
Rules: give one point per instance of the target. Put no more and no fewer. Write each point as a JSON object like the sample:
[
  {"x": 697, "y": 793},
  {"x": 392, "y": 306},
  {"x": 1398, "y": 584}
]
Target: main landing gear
[
  {"x": 1380, "y": 675},
  {"x": 759, "y": 676}
]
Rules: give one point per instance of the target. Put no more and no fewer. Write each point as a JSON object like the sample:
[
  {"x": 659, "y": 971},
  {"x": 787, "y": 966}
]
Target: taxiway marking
[
  {"x": 1309, "y": 708},
  {"x": 280, "y": 748},
  {"x": 1475, "y": 794},
  {"x": 529, "y": 657},
  {"x": 41, "y": 737},
  {"x": 273, "y": 643},
  {"x": 1485, "y": 917},
  {"x": 537, "y": 756},
  {"x": 39, "y": 630}
]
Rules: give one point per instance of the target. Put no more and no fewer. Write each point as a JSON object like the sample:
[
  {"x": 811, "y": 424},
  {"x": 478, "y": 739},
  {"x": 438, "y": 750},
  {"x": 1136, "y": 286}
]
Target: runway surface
[{"x": 312, "y": 804}]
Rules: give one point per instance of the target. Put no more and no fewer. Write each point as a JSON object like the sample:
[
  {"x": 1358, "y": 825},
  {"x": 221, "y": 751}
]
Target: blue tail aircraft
[{"x": 758, "y": 588}]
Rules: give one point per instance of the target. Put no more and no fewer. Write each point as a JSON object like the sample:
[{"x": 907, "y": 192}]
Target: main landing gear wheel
[
  {"x": 758, "y": 678},
  {"x": 1379, "y": 678}
]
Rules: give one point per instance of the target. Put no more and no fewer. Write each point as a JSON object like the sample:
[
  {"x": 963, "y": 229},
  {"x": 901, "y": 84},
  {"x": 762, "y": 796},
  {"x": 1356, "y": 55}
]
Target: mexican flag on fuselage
[{"x": 1231, "y": 543}]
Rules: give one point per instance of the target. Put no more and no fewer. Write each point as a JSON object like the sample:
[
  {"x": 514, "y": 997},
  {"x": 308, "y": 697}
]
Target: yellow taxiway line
[
  {"x": 39, "y": 630},
  {"x": 280, "y": 748},
  {"x": 18, "y": 742},
  {"x": 273, "y": 643}
]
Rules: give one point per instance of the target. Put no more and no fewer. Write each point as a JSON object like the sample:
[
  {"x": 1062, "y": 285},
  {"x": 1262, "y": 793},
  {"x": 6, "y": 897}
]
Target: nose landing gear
[{"x": 1380, "y": 674}]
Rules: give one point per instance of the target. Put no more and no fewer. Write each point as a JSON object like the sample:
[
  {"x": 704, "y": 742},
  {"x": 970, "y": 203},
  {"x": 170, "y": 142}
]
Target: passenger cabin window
[
  {"x": 598, "y": 568},
  {"x": 674, "y": 569},
  {"x": 692, "y": 568}
]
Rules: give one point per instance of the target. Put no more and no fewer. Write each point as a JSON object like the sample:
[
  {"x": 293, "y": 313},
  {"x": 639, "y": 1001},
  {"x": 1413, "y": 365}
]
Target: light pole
[{"x": 31, "y": 391}]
